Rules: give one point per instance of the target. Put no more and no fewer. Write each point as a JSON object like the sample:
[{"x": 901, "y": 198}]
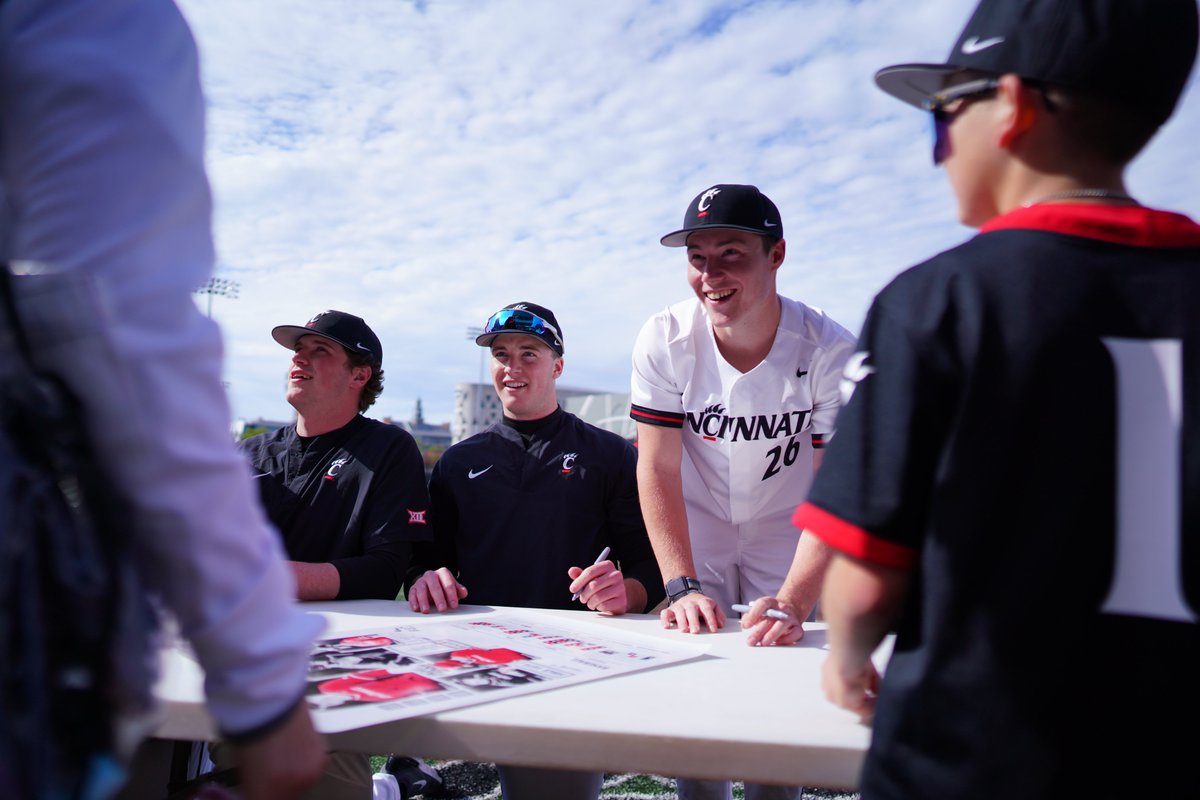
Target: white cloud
[{"x": 423, "y": 164}]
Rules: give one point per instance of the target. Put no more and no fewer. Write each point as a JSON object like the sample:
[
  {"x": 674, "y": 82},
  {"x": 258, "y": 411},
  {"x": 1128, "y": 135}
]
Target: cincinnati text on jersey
[{"x": 714, "y": 424}]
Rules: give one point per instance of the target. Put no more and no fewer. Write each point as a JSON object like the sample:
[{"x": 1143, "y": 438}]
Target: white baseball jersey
[{"x": 748, "y": 439}]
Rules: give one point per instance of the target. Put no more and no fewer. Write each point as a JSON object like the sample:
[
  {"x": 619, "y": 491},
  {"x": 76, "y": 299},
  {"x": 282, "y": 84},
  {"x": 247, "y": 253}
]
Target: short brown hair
[{"x": 374, "y": 385}]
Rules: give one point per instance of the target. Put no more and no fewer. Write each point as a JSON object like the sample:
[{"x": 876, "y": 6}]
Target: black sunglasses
[{"x": 943, "y": 115}]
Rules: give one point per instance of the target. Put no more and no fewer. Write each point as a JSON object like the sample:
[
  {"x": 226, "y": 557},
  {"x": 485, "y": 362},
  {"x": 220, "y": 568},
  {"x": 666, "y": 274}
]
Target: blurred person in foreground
[
  {"x": 1015, "y": 486},
  {"x": 102, "y": 183}
]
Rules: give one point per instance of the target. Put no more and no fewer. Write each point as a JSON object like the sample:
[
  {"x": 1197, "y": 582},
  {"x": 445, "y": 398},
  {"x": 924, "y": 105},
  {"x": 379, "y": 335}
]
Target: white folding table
[{"x": 738, "y": 712}]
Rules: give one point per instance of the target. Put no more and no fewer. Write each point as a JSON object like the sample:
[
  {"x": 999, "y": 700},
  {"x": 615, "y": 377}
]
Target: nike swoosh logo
[
  {"x": 975, "y": 44},
  {"x": 472, "y": 474},
  {"x": 768, "y": 223}
]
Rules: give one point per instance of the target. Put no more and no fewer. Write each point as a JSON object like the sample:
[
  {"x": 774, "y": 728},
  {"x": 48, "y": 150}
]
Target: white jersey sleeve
[{"x": 656, "y": 395}]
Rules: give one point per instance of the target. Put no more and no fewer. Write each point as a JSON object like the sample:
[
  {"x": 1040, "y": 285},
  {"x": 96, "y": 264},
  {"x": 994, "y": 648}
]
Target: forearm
[
  {"x": 663, "y": 509},
  {"x": 316, "y": 581},
  {"x": 802, "y": 586},
  {"x": 860, "y": 602},
  {"x": 635, "y": 596}
]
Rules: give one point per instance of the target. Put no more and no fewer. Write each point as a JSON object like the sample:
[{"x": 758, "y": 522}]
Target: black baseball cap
[
  {"x": 728, "y": 205},
  {"x": 349, "y": 331},
  {"x": 527, "y": 318},
  {"x": 1136, "y": 53}
]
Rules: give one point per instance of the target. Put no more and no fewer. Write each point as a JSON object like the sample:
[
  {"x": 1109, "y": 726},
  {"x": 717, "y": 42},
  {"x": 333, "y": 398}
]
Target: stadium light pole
[{"x": 222, "y": 287}]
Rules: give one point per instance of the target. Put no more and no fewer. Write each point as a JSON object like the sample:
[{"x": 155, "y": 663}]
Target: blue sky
[{"x": 422, "y": 164}]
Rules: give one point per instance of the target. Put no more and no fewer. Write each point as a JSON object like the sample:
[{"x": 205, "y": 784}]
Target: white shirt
[
  {"x": 748, "y": 438},
  {"x": 102, "y": 177}
]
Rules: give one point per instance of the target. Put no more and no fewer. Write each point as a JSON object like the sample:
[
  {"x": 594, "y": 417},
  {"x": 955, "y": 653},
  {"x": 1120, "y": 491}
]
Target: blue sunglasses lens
[
  {"x": 941, "y": 138},
  {"x": 515, "y": 320}
]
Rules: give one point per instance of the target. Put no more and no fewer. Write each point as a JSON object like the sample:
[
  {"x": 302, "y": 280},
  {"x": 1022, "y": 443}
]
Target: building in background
[
  {"x": 428, "y": 436},
  {"x": 607, "y": 411},
  {"x": 476, "y": 407}
]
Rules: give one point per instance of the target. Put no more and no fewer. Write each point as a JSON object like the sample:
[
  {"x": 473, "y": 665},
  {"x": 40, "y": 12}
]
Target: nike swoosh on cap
[
  {"x": 472, "y": 474},
  {"x": 769, "y": 224},
  {"x": 975, "y": 44}
]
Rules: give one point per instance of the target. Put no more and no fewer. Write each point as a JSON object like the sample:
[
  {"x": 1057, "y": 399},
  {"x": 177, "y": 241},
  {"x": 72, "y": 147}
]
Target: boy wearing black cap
[
  {"x": 1045, "y": 587},
  {"x": 735, "y": 392},
  {"x": 522, "y": 510}
]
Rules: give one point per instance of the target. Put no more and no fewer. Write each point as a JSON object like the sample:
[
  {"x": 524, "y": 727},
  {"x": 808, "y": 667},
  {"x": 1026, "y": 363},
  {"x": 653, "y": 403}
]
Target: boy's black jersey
[{"x": 1023, "y": 436}]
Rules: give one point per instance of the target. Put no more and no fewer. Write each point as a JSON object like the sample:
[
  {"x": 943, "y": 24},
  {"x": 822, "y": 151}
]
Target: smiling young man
[
  {"x": 734, "y": 393},
  {"x": 521, "y": 511},
  {"x": 347, "y": 493},
  {"x": 1043, "y": 580}
]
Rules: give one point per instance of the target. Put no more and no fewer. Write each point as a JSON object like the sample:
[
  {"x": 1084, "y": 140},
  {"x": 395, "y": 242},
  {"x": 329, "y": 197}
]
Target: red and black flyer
[{"x": 419, "y": 666}]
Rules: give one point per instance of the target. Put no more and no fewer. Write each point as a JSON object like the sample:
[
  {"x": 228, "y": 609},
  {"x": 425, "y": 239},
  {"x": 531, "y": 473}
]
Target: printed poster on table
[{"x": 413, "y": 667}]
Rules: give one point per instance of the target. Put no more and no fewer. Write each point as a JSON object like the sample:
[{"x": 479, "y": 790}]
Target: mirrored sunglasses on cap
[
  {"x": 513, "y": 320},
  {"x": 942, "y": 117}
]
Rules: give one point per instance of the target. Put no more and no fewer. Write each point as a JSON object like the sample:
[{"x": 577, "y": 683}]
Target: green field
[{"x": 471, "y": 781}]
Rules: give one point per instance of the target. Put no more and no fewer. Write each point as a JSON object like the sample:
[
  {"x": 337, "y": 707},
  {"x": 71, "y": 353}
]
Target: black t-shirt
[
  {"x": 511, "y": 514},
  {"x": 1023, "y": 436},
  {"x": 354, "y": 497}
]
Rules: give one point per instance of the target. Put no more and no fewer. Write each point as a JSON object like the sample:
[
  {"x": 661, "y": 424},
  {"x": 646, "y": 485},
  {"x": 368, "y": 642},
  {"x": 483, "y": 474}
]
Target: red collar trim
[{"x": 1136, "y": 226}]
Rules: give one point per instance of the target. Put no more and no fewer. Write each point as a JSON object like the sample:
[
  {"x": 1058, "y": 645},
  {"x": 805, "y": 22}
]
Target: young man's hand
[
  {"x": 436, "y": 590},
  {"x": 692, "y": 612},
  {"x": 852, "y": 688},
  {"x": 765, "y": 630},
  {"x": 601, "y": 587},
  {"x": 284, "y": 763}
]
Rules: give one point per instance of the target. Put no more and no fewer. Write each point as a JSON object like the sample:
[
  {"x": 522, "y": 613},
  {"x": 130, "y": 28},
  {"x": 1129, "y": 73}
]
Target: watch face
[{"x": 677, "y": 587}]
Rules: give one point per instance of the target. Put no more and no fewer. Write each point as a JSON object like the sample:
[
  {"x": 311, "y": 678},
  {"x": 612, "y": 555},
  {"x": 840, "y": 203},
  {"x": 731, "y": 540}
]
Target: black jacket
[
  {"x": 354, "y": 497},
  {"x": 509, "y": 519}
]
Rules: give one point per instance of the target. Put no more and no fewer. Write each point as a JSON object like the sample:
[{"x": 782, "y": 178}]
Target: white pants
[{"x": 739, "y": 564}]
